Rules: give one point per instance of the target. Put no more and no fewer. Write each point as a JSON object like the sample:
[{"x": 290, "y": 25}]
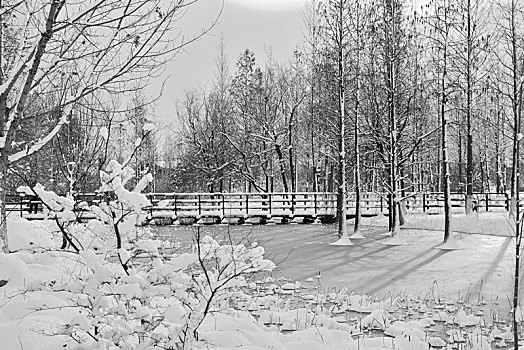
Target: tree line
[{"x": 381, "y": 96}]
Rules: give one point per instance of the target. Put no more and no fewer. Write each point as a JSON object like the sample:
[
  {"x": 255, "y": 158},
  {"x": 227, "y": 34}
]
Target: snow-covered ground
[
  {"x": 482, "y": 267},
  {"x": 366, "y": 296}
]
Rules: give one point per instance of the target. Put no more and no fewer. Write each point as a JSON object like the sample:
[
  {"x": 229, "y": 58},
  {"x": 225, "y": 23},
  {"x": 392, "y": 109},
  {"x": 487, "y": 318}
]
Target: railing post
[
  {"x": 487, "y": 201},
  {"x": 247, "y": 203},
  {"x": 315, "y": 199},
  {"x": 381, "y": 204},
  {"x": 293, "y": 203},
  {"x": 270, "y": 203},
  {"x": 223, "y": 204},
  {"x": 424, "y": 202},
  {"x": 21, "y": 204},
  {"x": 174, "y": 197},
  {"x": 199, "y": 205},
  {"x": 465, "y": 202},
  {"x": 507, "y": 201}
]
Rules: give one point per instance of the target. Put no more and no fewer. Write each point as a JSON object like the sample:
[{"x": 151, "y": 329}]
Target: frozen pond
[{"x": 481, "y": 270}]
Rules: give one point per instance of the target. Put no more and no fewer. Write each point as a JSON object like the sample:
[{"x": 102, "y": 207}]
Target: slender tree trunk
[
  {"x": 498, "y": 166},
  {"x": 341, "y": 175},
  {"x": 3, "y": 217},
  {"x": 518, "y": 240},
  {"x": 292, "y": 168},
  {"x": 515, "y": 107},
  {"x": 393, "y": 132},
  {"x": 443, "y": 27},
  {"x": 469, "y": 112},
  {"x": 341, "y": 178},
  {"x": 486, "y": 165},
  {"x": 313, "y": 164},
  {"x": 282, "y": 166},
  {"x": 358, "y": 207},
  {"x": 461, "y": 181},
  {"x": 4, "y": 247},
  {"x": 445, "y": 173},
  {"x": 518, "y": 224},
  {"x": 357, "y": 187},
  {"x": 439, "y": 157}
]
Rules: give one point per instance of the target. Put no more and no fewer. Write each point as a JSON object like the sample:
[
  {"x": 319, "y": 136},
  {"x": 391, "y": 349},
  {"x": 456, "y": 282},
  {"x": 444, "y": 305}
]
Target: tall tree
[
  {"x": 358, "y": 27},
  {"x": 473, "y": 40},
  {"x": 440, "y": 22},
  {"x": 246, "y": 88},
  {"x": 80, "y": 48},
  {"x": 509, "y": 53},
  {"x": 334, "y": 31},
  {"x": 391, "y": 42}
]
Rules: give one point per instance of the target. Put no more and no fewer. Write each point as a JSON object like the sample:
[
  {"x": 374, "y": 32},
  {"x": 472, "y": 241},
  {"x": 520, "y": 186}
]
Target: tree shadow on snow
[{"x": 391, "y": 276}]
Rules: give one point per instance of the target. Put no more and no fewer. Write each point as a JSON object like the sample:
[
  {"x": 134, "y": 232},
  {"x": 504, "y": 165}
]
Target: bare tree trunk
[
  {"x": 4, "y": 247},
  {"x": 393, "y": 128},
  {"x": 515, "y": 108},
  {"x": 518, "y": 240},
  {"x": 358, "y": 207},
  {"x": 460, "y": 163},
  {"x": 3, "y": 217},
  {"x": 282, "y": 166},
  {"x": 313, "y": 163},
  {"x": 359, "y": 25},
  {"x": 292, "y": 168},
  {"x": 445, "y": 160},
  {"x": 341, "y": 174},
  {"x": 469, "y": 112},
  {"x": 498, "y": 165},
  {"x": 446, "y": 180}
]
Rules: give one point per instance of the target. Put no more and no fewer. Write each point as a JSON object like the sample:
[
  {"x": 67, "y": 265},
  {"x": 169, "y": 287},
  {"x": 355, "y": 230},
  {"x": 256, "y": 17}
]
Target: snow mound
[
  {"x": 23, "y": 234},
  {"x": 343, "y": 241},
  {"x": 378, "y": 319},
  {"x": 357, "y": 235},
  {"x": 451, "y": 244}
]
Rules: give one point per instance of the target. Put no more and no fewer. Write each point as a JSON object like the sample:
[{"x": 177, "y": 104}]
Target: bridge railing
[
  {"x": 281, "y": 203},
  {"x": 237, "y": 204},
  {"x": 311, "y": 203}
]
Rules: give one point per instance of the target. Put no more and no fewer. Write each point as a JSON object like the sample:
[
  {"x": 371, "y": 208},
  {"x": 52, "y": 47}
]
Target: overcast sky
[{"x": 259, "y": 25}]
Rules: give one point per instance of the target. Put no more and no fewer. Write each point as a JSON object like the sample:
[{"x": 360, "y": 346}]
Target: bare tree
[
  {"x": 358, "y": 23},
  {"x": 76, "y": 49},
  {"x": 473, "y": 40},
  {"x": 440, "y": 21},
  {"x": 334, "y": 31}
]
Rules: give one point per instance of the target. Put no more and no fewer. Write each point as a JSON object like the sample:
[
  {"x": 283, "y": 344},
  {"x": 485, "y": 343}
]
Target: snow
[
  {"x": 451, "y": 244},
  {"x": 36, "y": 146},
  {"x": 104, "y": 133},
  {"x": 357, "y": 235},
  {"x": 229, "y": 296},
  {"x": 343, "y": 241},
  {"x": 396, "y": 240},
  {"x": 30, "y": 235},
  {"x": 148, "y": 127}
]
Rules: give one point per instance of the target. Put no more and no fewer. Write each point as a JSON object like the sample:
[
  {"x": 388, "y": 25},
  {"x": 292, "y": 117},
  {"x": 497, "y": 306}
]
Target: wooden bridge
[
  {"x": 257, "y": 208},
  {"x": 302, "y": 207}
]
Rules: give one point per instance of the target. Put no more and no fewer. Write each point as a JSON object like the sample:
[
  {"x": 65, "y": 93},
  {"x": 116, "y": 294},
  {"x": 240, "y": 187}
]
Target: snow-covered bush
[
  {"x": 119, "y": 290},
  {"x": 157, "y": 302}
]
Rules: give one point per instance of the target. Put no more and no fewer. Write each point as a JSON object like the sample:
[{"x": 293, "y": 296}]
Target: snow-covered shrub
[
  {"x": 119, "y": 290},
  {"x": 158, "y": 304}
]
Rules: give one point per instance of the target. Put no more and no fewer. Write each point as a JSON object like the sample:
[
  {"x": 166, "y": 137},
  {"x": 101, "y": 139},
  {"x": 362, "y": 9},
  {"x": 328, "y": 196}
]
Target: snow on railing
[{"x": 282, "y": 203}]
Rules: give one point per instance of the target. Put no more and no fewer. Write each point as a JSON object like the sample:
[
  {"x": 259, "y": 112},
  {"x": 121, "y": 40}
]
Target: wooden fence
[{"x": 173, "y": 206}]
